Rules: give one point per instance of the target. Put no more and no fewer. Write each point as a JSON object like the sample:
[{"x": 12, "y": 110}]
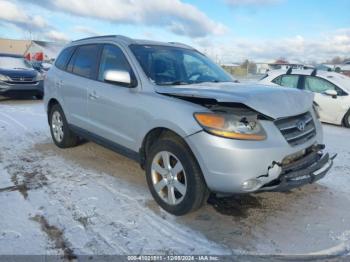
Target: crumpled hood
[{"x": 275, "y": 102}]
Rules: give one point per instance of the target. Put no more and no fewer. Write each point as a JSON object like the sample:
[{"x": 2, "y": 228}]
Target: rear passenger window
[
  {"x": 277, "y": 80},
  {"x": 85, "y": 61},
  {"x": 112, "y": 58},
  {"x": 63, "y": 58},
  {"x": 287, "y": 81}
]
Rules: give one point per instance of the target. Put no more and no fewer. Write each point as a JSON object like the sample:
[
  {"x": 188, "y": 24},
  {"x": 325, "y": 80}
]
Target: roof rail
[
  {"x": 314, "y": 72},
  {"x": 102, "y": 36},
  {"x": 178, "y": 43},
  {"x": 289, "y": 71}
]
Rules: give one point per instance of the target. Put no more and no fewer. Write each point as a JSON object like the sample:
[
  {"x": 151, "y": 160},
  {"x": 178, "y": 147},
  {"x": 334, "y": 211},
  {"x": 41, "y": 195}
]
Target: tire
[
  {"x": 62, "y": 136},
  {"x": 196, "y": 192},
  {"x": 347, "y": 119},
  {"x": 39, "y": 97}
]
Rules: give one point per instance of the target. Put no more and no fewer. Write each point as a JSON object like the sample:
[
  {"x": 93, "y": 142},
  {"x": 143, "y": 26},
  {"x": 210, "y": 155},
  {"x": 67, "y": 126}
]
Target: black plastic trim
[{"x": 106, "y": 143}]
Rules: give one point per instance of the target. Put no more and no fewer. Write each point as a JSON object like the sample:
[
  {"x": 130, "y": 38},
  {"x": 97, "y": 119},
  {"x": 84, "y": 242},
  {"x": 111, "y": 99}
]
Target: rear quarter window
[{"x": 64, "y": 57}]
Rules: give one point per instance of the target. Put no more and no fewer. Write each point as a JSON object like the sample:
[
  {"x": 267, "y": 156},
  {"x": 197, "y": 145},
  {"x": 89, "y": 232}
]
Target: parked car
[
  {"x": 40, "y": 66},
  {"x": 331, "y": 91},
  {"x": 17, "y": 76},
  {"x": 191, "y": 128}
]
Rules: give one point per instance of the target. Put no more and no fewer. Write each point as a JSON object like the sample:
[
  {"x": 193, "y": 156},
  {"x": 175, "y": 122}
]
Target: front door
[
  {"x": 330, "y": 107},
  {"x": 110, "y": 106}
]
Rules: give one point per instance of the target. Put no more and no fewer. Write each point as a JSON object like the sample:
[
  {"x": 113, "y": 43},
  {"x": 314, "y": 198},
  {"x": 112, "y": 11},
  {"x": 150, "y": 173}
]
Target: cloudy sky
[{"x": 228, "y": 30}]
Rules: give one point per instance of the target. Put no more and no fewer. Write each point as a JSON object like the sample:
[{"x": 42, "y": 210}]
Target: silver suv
[{"x": 184, "y": 119}]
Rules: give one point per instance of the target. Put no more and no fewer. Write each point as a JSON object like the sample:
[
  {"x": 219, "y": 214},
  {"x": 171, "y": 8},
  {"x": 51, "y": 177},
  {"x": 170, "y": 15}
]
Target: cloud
[
  {"x": 297, "y": 48},
  {"x": 252, "y": 2},
  {"x": 176, "y": 16},
  {"x": 56, "y": 36},
  {"x": 12, "y": 14},
  {"x": 86, "y": 30},
  {"x": 34, "y": 25}
]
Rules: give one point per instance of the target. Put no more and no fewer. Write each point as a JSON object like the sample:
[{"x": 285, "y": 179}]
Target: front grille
[
  {"x": 297, "y": 129},
  {"x": 22, "y": 79}
]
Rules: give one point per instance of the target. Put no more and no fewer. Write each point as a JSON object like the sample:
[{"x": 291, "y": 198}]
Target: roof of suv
[{"x": 129, "y": 41}]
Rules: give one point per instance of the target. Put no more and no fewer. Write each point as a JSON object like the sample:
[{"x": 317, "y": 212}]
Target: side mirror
[
  {"x": 118, "y": 77},
  {"x": 331, "y": 93}
]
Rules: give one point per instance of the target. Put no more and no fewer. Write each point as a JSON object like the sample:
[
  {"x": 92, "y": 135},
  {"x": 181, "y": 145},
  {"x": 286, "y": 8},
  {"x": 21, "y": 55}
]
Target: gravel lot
[{"x": 89, "y": 200}]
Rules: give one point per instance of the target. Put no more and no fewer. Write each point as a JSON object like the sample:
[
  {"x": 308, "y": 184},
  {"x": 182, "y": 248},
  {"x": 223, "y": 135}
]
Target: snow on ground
[{"x": 89, "y": 200}]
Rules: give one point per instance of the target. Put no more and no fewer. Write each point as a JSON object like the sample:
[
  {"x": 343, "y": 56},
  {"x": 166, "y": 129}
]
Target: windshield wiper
[{"x": 175, "y": 83}]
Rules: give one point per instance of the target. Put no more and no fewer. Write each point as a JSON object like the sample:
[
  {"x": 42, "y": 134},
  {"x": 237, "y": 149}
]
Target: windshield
[
  {"x": 14, "y": 63},
  {"x": 166, "y": 65}
]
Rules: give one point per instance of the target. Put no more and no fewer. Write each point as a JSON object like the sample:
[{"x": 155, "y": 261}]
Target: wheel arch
[
  {"x": 154, "y": 135},
  {"x": 344, "y": 119},
  {"x": 50, "y": 104}
]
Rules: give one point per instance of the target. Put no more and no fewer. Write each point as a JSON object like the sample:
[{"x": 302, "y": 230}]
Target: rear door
[
  {"x": 330, "y": 108},
  {"x": 82, "y": 75}
]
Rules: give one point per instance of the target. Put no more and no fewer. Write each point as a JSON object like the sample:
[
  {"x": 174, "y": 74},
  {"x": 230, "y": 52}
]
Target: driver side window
[
  {"x": 318, "y": 85},
  {"x": 112, "y": 58}
]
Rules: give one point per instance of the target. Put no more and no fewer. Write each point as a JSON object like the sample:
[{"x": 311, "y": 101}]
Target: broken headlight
[{"x": 231, "y": 126}]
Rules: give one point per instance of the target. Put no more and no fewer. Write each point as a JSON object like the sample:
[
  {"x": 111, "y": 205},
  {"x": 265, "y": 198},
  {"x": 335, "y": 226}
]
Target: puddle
[
  {"x": 237, "y": 205},
  {"x": 22, "y": 188},
  {"x": 56, "y": 235}
]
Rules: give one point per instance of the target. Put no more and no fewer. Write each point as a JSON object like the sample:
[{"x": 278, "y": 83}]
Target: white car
[{"x": 331, "y": 91}]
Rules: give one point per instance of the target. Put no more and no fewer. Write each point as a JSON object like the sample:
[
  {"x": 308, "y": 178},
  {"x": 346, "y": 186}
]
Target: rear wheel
[
  {"x": 62, "y": 136},
  {"x": 347, "y": 119},
  {"x": 174, "y": 177}
]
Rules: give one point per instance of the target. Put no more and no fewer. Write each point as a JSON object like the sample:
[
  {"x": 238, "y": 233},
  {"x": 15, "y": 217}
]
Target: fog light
[{"x": 251, "y": 185}]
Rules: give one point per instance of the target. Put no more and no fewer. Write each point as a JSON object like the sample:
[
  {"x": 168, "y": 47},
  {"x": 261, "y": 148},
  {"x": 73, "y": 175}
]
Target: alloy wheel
[
  {"x": 169, "y": 177},
  {"x": 57, "y": 126}
]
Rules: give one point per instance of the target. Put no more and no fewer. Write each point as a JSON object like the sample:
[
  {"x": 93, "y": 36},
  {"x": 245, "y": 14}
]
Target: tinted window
[
  {"x": 287, "y": 81},
  {"x": 64, "y": 57},
  {"x": 112, "y": 58},
  {"x": 318, "y": 85},
  {"x": 85, "y": 61}
]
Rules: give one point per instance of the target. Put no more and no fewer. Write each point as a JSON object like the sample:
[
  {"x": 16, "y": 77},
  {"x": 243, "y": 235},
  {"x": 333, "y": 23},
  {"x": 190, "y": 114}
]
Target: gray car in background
[{"x": 184, "y": 119}]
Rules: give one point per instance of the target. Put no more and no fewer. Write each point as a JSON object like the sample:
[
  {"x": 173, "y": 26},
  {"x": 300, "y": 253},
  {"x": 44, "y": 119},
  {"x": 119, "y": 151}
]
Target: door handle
[
  {"x": 93, "y": 95},
  {"x": 59, "y": 83}
]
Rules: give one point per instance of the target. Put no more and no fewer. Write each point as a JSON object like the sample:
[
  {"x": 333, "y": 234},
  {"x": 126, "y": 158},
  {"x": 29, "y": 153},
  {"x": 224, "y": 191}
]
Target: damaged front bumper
[
  {"x": 234, "y": 166},
  {"x": 307, "y": 170}
]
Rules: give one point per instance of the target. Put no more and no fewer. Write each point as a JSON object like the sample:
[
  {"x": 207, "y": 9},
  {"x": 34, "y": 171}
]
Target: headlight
[
  {"x": 231, "y": 126},
  {"x": 4, "y": 78},
  {"x": 39, "y": 77}
]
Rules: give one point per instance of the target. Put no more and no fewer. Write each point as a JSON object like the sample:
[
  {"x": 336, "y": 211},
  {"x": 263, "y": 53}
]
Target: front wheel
[
  {"x": 174, "y": 177},
  {"x": 62, "y": 136}
]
